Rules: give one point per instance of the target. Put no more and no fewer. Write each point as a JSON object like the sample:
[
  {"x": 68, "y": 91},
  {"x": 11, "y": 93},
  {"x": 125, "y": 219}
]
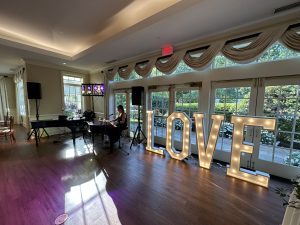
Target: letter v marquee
[{"x": 205, "y": 156}]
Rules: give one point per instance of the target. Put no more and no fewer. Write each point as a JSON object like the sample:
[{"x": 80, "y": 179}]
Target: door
[
  {"x": 159, "y": 103},
  {"x": 233, "y": 98},
  {"x": 278, "y": 152},
  {"x": 186, "y": 100}
]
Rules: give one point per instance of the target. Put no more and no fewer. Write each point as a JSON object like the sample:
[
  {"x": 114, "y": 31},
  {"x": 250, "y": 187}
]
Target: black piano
[
  {"x": 105, "y": 128},
  {"x": 73, "y": 125}
]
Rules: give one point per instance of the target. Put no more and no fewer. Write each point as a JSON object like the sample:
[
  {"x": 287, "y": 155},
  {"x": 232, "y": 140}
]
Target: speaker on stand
[
  {"x": 137, "y": 96},
  {"x": 34, "y": 92}
]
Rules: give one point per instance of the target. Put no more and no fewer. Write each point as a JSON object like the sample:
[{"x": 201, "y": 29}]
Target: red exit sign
[{"x": 167, "y": 49}]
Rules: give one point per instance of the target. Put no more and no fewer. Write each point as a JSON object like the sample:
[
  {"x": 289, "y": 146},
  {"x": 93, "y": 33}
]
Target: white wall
[
  {"x": 51, "y": 88},
  {"x": 51, "y": 104}
]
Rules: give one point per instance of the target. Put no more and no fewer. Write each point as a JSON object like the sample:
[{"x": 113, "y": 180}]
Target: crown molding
[{"x": 57, "y": 67}]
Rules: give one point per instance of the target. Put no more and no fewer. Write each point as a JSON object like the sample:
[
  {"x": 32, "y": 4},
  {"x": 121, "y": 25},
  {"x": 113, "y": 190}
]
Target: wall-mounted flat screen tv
[{"x": 92, "y": 89}]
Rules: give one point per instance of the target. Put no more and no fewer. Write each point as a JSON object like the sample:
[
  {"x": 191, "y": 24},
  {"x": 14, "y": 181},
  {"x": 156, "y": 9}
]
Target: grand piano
[
  {"x": 105, "y": 128},
  {"x": 73, "y": 125}
]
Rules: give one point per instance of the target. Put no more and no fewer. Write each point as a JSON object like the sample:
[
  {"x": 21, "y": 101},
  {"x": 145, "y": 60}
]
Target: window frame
[{"x": 68, "y": 74}]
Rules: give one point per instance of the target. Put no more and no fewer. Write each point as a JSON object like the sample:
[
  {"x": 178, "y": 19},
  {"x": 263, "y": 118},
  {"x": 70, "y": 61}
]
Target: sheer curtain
[{"x": 3, "y": 99}]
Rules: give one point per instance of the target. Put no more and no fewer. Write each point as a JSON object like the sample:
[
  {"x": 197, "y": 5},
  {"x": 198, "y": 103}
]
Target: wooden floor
[{"x": 38, "y": 184}]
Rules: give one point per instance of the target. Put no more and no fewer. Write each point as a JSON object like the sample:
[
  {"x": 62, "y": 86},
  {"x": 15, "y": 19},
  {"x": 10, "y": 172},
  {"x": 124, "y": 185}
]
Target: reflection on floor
[{"x": 38, "y": 184}]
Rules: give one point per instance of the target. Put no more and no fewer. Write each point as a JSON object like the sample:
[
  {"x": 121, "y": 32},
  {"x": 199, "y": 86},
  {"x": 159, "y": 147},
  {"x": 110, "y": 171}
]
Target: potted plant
[
  {"x": 286, "y": 196},
  {"x": 292, "y": 201}
]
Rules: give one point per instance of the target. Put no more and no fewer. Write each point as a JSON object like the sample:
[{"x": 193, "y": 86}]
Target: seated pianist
[
  {"x": 113, "y": 128},
  {"x": 121, "y": 120}
]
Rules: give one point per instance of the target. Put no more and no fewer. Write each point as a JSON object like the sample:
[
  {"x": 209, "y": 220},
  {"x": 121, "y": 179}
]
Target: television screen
[{"x": 92, "y": 89}]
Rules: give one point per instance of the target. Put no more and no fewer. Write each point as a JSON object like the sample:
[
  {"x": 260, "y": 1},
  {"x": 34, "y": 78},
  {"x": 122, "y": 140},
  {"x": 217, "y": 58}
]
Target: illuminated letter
[
  {"x": 150, "y": 137},
  {"x": 185, "y": 136},
  {"x": 237, "y": 147},
  {"x": 205, "y": 156}
]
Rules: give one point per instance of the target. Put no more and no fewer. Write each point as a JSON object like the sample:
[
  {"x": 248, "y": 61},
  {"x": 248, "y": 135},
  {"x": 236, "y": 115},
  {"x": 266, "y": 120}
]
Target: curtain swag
[
  {"x": 205, "y": 58},
  {"x": 145, "y": 70},
  {"x": 291, "y": 39},
  {"x": 249, "y": 53},
  {"x": 255, "y": 48},
  {"x": 170, "y": 65},
  {"x": 111, "y": 73},
  {"x": 125, "y": 71}
]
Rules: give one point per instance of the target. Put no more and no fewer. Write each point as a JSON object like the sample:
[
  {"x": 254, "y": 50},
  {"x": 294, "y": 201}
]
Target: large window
[
  {"x": 276, "y": 52},
  {"x": 72, "y": 95},
  {"x": 160, "y": 106},
  {"x": 230, "y": 101},
  {"x": 186, "y": 101},
  {"x": 283, "y": 146},
  {"x": 20, "y": 98}
]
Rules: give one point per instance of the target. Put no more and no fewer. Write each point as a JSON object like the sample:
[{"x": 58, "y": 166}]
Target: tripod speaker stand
[
  {"x": 34, "y": 92},
  {"x": 137, "y": 99},
  {"x": 138, "y": 132}
]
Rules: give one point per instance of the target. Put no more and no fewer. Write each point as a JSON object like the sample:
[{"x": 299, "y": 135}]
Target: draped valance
[
  {"x": 169, "y": 64},
  {"x": 291, "y": 39},
  {"x": 288, "y": 36},
  {"x": 144, "y": 68},
  {"x": 252, "y": 51},
  {"x": 205, "y": 58},
  {"x": 111, "y": 73},
  {"x": 125, "y": 71}
]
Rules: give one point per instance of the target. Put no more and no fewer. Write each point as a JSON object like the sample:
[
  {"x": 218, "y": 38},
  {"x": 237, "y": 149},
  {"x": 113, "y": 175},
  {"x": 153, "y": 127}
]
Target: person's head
[{"x": 120, "y": 109}]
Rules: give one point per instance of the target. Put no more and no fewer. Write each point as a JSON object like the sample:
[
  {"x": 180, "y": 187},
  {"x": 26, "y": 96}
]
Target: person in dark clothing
[{"x": 121, "y": 120}]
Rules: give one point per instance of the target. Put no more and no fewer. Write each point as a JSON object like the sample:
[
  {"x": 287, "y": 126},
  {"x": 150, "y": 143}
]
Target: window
[
  {"x": 221, "y": 61},
  {"x": 182, "y": 68},
  {"x": 134, "y": 76},
  {"x": 72, "y": 95},
  {"x": 120, "y": 99},
  {"x": 186, "y": 101},
  {"x": 230, "y": 101},
  {"x": 156, "y": 73},
  {"x": 276, "y": 52},
  {"x": 117, "y": 78},
  {"x": 20, "y": 98},
  {"x": 283, "y": 145},
  {"x": 160, "y": 106}
]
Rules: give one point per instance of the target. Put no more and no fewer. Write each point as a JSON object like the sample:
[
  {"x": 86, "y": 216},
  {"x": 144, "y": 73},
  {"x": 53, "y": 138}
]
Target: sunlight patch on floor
[{"x": 89, "y": 203}]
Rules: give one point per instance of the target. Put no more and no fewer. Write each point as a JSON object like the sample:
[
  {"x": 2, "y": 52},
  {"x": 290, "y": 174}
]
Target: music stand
[{"x": 138, "y": 131}]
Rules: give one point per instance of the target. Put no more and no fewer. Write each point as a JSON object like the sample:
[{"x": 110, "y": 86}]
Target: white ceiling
[{"x": 87, "y": 34}]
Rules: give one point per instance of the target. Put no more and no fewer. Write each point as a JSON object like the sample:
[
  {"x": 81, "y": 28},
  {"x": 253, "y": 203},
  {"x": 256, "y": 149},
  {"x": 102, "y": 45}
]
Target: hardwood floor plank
[{"x": 38, "y": 184}]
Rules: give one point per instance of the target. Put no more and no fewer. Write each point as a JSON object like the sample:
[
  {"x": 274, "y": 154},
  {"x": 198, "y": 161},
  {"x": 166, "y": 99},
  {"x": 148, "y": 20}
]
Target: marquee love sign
[{"x": 205, "y": 153}]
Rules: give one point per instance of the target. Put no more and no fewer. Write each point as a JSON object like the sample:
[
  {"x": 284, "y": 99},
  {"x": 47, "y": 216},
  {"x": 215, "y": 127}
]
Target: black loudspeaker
[
  {"x": 34, "y": 90},
  {"x": 137, "y": 95}
]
